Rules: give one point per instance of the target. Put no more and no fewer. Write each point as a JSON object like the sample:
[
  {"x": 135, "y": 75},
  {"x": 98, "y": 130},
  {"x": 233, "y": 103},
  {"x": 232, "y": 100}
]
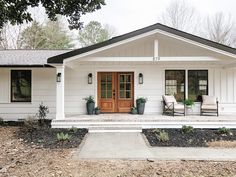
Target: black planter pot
[
  {"x": 134, "y": 111},
  {"x": 140, "y": 108},
  {"x": 90, "y": 108},
  {"x": 97, "y": 112}
]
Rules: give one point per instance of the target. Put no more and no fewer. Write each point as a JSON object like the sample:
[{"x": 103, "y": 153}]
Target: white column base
[{"x": 60, "y": 116}]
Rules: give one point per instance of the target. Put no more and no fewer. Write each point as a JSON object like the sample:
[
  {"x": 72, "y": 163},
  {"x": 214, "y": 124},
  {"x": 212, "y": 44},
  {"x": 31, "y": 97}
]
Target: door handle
[{"x": 114, "y": 94}]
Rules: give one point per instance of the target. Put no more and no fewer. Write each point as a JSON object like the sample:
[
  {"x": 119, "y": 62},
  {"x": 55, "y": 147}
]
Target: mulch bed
[
  {"x": 199, "y": 138},
  {"x": 46, "y": 137}
]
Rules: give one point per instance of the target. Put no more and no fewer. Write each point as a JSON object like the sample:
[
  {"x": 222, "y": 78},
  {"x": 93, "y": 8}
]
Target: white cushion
[
  {"x": 177, "y": 107},
  {"x": 169, "y": 99},
  {"x": 208, "y": 100},
  {"x": 209, "y": 107}
]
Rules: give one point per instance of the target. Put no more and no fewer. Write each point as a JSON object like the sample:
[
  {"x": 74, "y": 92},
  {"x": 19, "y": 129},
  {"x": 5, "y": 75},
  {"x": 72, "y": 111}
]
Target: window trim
[
  {"x": 14, "y": 101},
  {"x": 184, "y": 79},
  {"x": 207, "y": 91}
]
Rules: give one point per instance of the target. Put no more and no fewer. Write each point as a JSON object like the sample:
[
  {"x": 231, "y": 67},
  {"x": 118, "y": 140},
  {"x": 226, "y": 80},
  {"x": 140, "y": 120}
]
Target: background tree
[
  {"x": 3, "y": 41},
  {"x": 221, "y": 29},
  {"x": 17, "y": 12},
  {"x": 48, "y": 36},
  {"x": 94, "y": 33},
  {"x": 180, "y": 15},
  {"x": 10, "y": 37},
  {"x": 32, "y": 37}
]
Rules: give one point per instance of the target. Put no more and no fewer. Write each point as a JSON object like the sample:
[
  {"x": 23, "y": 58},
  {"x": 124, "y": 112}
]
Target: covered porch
[{"x": 168, "y": 61}]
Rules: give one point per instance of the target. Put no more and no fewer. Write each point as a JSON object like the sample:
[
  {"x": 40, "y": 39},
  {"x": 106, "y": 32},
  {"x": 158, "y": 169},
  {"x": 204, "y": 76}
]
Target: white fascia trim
[
  {"x": 201, "y": 58},
  {"x": 57, "y": 65},
  {"x": 148, "y": 34}
]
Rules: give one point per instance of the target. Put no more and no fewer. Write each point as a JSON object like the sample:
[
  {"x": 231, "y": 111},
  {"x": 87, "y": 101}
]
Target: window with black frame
[
  {"x": 197, "y": 84},
  {"x": 21, "y": 86},
  {"x": 175, "y": 84}
]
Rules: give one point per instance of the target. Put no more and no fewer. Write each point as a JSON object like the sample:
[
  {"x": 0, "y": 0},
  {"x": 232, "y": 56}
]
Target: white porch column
[
  {"x": 60, "y": 114},
  {"x": 156, "y": 50}
]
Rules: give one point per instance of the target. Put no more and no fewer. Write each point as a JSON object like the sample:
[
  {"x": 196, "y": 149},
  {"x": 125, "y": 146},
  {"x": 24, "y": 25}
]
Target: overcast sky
[{"x": 128, "y": 15}]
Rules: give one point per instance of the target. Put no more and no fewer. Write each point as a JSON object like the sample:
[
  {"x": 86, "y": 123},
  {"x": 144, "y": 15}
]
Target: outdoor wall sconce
[
  {"x": 140, "y": 78},
  {"x": 58, "y": 77},
  {"x": 90, "y": 78}
]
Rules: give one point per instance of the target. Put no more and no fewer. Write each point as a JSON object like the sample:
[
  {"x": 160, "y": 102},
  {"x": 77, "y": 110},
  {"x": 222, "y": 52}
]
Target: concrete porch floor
[
  {"x": 147, "y": 117},
  {"x": 120, "y": 121}
]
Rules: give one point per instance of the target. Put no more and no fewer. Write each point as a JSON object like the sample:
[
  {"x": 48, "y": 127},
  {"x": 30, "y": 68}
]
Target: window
[
  {"x": 197, "y": 84},
  {"x": 21, "y": 86},
  {"x": 175, "y": 83},
  {"x": 125, "y": 86}
]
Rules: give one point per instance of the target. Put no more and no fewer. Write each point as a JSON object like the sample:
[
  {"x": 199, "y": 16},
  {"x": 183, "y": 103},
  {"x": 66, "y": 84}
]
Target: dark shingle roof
[
  {"x": 27, "y": 57},
  {"x": 61, "y": 57}
]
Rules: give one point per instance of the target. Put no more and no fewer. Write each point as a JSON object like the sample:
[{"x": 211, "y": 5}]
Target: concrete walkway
[{"x": 134, "y": 146}]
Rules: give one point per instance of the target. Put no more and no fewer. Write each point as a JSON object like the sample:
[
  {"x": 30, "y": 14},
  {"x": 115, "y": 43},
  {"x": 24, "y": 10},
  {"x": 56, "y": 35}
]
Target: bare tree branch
[
  {"x": 220, "y": 28},
  {"x": 180, "y": 15},
  {"x": 9, "y": 37}
]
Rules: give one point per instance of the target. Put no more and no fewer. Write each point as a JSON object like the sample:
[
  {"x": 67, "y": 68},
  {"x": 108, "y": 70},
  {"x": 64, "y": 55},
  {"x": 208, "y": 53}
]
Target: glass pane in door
[
  {"x": 125, "y": 86},
  {"x": 106, "y": 85}
]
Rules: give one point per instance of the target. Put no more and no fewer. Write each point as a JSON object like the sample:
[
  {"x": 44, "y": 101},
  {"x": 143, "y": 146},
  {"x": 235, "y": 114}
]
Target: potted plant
[
  {"x": 140, "y": 103},
  {"x": 188, "y": 103},
  {"x": 90, "y": 104},
  {"x": 97, "y": 110},
  {"x": 134, "y": 110}
]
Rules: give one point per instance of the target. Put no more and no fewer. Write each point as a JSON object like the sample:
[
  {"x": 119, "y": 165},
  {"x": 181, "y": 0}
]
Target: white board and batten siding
[
  {"x": 43, "y": 90},
  {"x": 222, "y": 83},
  {"x": 77, "y": 88}
]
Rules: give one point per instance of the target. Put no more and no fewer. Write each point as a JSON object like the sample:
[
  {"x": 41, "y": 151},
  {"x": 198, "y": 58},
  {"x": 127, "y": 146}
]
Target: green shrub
[
  {"x": 40, "y": 141},
  {"x": 63, "y": 137},
  {"x": 224, "y": 131},
  {"x": 89, "y": 99},
  {"x": 141, "y": 100},
  {"x": 188, "y": 102},
  {"x": 163, "y": 136},
  {"x": 156, "y": 131},
  {"x": 42, "y": 114},
  {"x": 73, "y": 129},
  {"x": 97, "y": 108},
  {"x": 187, "y": 129}
]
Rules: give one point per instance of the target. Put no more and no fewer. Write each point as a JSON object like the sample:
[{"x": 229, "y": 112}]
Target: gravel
[{"x": 21, "y": 159}]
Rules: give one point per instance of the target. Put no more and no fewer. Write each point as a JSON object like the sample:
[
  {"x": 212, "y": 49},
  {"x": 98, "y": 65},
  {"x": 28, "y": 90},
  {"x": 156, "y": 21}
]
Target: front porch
[{"x": 133, "y": 123}]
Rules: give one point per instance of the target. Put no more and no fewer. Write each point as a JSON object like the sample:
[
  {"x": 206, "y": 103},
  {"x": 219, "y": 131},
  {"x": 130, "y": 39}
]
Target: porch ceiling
[{"x": 162, "y": 62}]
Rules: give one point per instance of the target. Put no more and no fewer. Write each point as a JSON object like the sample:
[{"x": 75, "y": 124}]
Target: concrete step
[
  {"x": 175, "y": 123},
  {"x": 103, "y": 129}
]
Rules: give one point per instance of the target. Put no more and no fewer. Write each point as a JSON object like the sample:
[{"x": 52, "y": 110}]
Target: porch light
[
  {"x": 90, "y": 78},
  {"x": 58, "y": 77},
  {"x": 140, "y": 78}
]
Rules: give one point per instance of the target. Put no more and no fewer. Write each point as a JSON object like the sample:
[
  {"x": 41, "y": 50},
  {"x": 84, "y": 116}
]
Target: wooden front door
[{"x": 115, "y": 91}]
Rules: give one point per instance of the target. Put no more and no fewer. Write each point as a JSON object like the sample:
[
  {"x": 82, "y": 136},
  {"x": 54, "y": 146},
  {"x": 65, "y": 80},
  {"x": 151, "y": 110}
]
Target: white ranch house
[{"x": 168, "y": 60}]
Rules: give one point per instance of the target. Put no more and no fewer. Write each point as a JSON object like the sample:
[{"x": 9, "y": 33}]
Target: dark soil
[
  {"x": 20, "y": 122},
  {"x": 46, "y": 137},
  {"x": 199, "y": 138}
]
